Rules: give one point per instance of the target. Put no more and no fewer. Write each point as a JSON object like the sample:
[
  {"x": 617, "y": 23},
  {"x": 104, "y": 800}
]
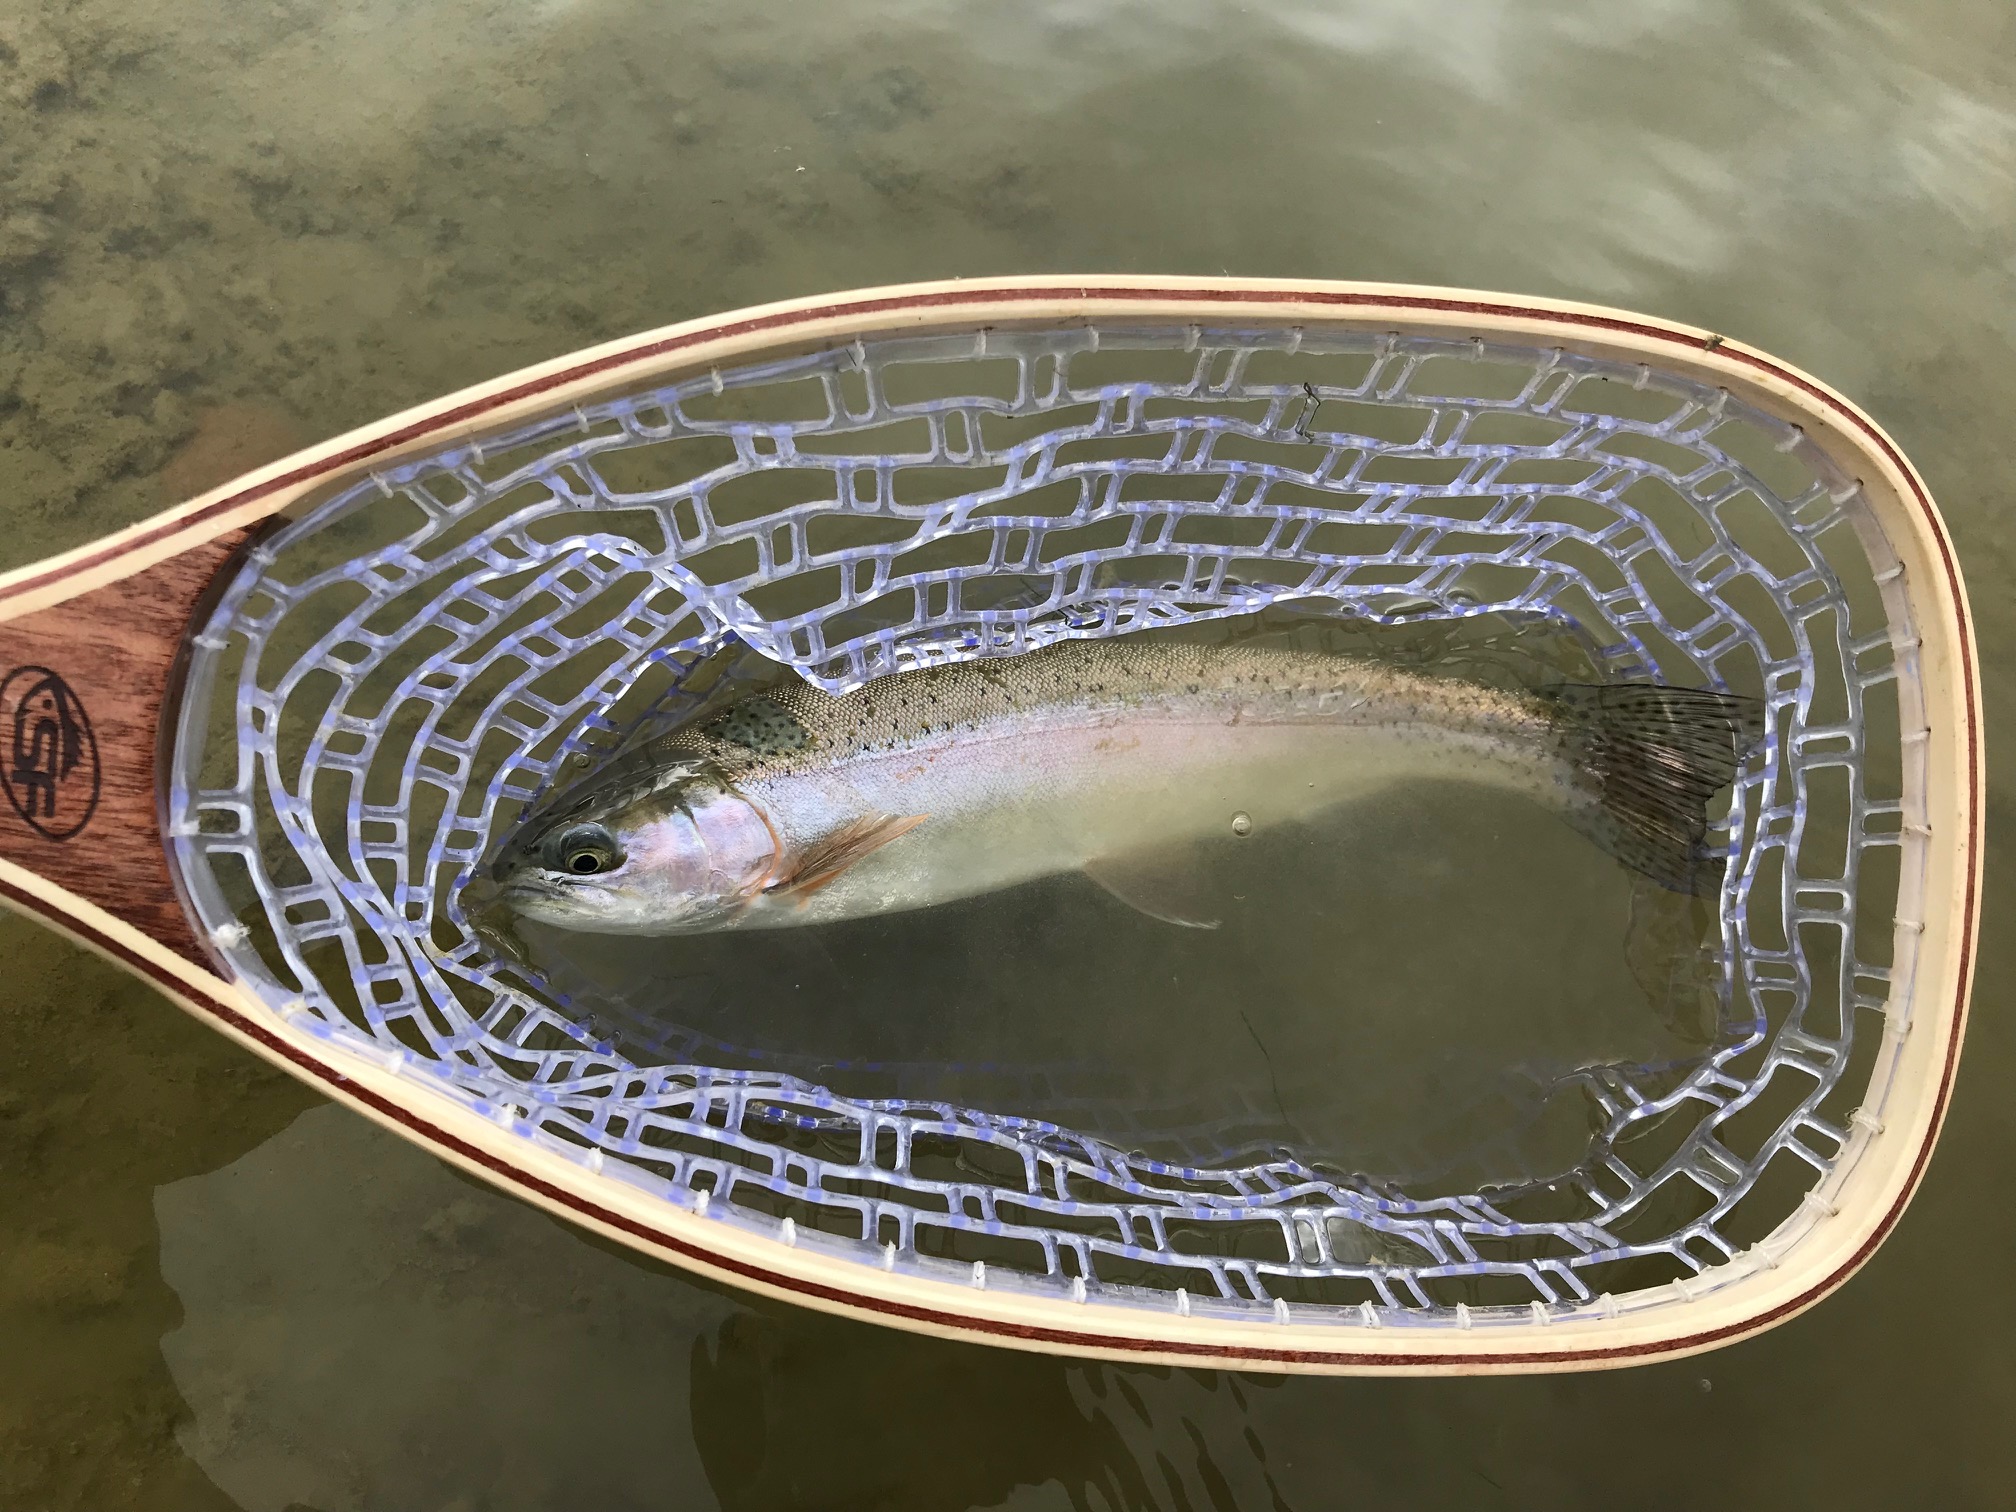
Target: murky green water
[{"x": 226, "y": 231}]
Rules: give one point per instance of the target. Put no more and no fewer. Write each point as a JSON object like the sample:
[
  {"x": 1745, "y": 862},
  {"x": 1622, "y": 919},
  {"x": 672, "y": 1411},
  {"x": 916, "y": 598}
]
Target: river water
[{"x": 228, "y": 231}]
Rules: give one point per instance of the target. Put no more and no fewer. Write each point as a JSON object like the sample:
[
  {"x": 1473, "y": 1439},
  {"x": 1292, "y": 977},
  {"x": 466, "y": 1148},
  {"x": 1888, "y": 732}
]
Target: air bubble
[{"x": 1242, "y": 823}]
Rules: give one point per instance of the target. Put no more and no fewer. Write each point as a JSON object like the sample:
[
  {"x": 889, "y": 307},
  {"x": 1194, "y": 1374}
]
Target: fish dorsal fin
[
  {"x": 1164, "y": 883},
  {"x": 826, "y": 858}
]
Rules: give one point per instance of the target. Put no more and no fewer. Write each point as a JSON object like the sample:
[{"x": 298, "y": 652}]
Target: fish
[{"x": 1121, "y": 758}]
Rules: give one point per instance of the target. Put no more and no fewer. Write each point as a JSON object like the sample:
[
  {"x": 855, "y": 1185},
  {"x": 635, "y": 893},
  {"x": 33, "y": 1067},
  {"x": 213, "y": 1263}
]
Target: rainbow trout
[{"x": 1110, "y": 757}]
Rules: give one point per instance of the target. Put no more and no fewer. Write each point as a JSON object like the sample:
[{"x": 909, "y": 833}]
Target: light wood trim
[{"x": 1812, "y": 1255}]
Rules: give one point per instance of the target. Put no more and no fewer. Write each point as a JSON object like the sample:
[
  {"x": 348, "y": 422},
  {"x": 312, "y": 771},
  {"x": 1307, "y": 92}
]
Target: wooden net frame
[{"x": 1121, "y": 455}]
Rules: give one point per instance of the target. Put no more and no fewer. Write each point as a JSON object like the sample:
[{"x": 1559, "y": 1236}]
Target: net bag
[{"x": 497, "y": 593}]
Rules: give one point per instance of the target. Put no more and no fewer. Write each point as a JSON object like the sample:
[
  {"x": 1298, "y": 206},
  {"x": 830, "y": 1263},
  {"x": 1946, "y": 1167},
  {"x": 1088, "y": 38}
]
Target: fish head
[{"x": 689, "y": 853}]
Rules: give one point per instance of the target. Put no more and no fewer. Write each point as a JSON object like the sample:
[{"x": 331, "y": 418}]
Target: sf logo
[{"x": 48, "y": 755}]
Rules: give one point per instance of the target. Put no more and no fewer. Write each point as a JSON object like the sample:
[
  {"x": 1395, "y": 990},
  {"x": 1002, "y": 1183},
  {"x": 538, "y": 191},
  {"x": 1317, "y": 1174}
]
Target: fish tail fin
[{"x": 1653, "y": 757}]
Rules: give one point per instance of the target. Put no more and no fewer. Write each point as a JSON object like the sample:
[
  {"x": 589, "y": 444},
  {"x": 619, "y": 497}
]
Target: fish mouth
[
  {"x": 485, "y": 895},
  {"x": 478, "y": 899},
  {"x": 512, "y": 893}
]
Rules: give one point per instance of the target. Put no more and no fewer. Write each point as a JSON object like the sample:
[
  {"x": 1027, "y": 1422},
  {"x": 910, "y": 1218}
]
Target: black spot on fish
[{"x": 759, "y": 725}]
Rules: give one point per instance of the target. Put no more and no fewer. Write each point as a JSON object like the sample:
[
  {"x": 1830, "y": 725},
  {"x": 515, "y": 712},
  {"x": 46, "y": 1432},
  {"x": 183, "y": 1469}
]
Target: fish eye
[{"x": 584, "y": 850}]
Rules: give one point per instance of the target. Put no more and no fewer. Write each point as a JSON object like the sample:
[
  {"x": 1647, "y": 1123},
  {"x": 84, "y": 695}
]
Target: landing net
[{"x": 389, "y": 680}]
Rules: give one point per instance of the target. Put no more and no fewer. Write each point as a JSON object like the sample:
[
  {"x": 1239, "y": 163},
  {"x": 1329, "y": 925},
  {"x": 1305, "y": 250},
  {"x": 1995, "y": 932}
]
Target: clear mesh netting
[{"x": 389, "y": 680}]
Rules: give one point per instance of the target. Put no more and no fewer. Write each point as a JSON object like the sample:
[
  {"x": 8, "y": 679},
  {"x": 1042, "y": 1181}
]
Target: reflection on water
[
  {"x": 102, "y": 1095},
  {"x": 318, "y": 214},
  {"x": 361, "y": 1328},
  {"x": 792, "y": 1410}
]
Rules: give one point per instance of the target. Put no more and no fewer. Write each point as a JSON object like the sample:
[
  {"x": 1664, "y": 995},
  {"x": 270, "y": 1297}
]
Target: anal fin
[{"x": 1165, "y": 884}]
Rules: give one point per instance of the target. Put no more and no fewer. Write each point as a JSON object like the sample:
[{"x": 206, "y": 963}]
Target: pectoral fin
[
  {"x": 1163, "y": 884},
  {"x": 822, "y": 862}
]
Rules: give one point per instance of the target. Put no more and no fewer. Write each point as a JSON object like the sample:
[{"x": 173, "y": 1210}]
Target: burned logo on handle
[{"x": 48, "y": 755}]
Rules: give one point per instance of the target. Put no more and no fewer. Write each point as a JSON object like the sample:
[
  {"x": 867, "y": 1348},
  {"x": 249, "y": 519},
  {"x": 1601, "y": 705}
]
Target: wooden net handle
[{"x": 83, "y": 686}]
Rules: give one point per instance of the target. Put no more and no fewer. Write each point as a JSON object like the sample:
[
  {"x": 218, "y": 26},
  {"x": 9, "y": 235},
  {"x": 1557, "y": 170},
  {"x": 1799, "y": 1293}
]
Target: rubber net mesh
[{"x": 391, "y": 678}]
